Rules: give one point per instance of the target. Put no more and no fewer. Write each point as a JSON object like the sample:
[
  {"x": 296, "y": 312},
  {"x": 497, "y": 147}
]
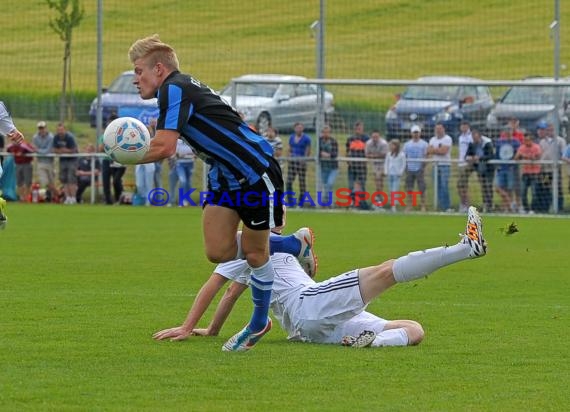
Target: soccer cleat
[
  {"x": 307, "y": 257},
  {"x": 474, "y": 234},
  {"x": 3, "y": 217},
  {"x": 244, "y": 340},
  {"x": 363, "y": 340}
]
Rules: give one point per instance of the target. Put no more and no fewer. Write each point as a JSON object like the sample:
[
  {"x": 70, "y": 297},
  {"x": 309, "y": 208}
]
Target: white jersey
[
  {"x": 463, "y": 142},
  {"x": 320, "y": 312},
  {"x": 6, "y": 123},
  {"x": 444, "y": 160}
]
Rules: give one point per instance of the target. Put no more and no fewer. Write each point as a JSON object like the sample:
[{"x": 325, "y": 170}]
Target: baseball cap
[
  {"x": 416, "y": 128},
  {"x": 542, "y": 125},
  {"x": 41, "y": 124}
]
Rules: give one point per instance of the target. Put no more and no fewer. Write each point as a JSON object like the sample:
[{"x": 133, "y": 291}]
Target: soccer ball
[{"x": 126, "y": 140}]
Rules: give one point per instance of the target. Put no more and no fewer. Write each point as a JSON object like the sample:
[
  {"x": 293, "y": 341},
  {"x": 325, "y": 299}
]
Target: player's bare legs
[
  {"x": 255, "y": 246},
  {"x": 414, "y": 333},
  {"x": 415, "y": 265},
  {"x": 220, "y": 225},
  {"x": 374, "y": 280}
]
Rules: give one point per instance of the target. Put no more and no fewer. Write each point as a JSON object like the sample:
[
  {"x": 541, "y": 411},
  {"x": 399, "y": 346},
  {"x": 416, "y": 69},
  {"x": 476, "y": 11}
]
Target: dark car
[
  {"x": 122, "y": 97},
  {"x": 532, "y": 105},
  {"x": 449, "y": 103}
]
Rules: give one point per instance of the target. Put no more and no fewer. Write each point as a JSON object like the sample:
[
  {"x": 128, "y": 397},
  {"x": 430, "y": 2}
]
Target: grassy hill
[{"x": 221, "y": 39}]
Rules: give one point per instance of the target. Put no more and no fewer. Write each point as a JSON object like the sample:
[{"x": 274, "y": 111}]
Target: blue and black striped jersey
[{"x": 238, "y": 156}]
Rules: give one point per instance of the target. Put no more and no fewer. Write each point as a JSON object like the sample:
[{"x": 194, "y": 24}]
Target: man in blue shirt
[
  {"x": 299, "y": 146},
  {"x": 506, "y": 148},
  {"x": 241, "y": 165}
]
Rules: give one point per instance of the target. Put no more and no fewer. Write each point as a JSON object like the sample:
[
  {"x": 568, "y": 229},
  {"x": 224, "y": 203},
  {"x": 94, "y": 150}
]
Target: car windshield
[
  {"x": 447, "y": 92},
  {"x": 123, "y": 84},
  {"x": 259, "y": 90},
  {"x": 532, "y": 95}
]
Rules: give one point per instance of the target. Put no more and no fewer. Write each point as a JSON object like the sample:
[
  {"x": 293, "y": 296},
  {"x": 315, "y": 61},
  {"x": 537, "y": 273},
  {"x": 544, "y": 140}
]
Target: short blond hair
[{"x": 155, "y": 51}]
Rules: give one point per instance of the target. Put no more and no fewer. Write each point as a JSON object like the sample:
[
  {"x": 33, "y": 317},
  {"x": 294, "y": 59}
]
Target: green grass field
[{"x": 83, "y": 289}]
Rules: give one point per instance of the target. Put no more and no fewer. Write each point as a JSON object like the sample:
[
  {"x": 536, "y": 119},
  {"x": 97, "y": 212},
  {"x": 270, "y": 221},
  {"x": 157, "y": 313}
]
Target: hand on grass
[
  {"x": 174, "y": 334},
  {"x": 202, "y": 332}
]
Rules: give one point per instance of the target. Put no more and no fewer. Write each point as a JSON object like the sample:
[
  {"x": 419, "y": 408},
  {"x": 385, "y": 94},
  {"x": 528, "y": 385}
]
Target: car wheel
[{"x": 263, "y": 122}]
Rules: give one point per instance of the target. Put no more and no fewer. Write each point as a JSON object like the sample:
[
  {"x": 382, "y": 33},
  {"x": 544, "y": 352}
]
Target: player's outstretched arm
[
  {"x": 205, "y": 296},
  {"x": 162, "y": 146},
  {"x": 232, "y": 294}
]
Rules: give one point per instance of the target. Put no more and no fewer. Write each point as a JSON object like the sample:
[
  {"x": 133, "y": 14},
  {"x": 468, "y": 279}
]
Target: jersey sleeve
[{"x": 176, "y": 107}]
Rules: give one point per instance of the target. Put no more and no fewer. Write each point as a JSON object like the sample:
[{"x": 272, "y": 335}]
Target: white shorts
[{"x": 328, "y": 310}]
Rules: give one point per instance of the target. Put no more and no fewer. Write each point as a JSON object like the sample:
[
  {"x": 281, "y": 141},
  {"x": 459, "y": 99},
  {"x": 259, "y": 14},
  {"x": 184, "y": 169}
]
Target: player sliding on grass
[
  {"x": 8, "y": 129},
  {"x": 333, "y": 311},
  {"x": 240, "y": 160}
]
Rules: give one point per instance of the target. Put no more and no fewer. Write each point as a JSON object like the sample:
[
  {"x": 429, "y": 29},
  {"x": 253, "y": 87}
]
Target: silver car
[
  {"x": 278, "y": 104},
  {"x": 532, "y": 105}
]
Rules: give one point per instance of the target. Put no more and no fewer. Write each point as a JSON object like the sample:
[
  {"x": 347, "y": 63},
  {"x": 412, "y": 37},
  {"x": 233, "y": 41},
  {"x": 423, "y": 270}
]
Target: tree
[{"x": 70, "y": 13}]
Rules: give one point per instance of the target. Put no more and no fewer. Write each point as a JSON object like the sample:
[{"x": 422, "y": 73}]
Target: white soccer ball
[{"x": 126, "y": 140}]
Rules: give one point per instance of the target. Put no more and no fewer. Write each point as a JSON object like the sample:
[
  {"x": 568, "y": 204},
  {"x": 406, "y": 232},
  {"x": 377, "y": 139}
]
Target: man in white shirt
[
  {"x": 332, "y": 311},
  {"x": 439, "y": 148},
  {"x": 8, "y": 129},
  {"x": 464, "y": 168}
]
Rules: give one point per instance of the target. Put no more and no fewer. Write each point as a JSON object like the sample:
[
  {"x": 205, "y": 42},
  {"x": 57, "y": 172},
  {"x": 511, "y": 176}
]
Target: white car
[{"x": 278, "y": 104}]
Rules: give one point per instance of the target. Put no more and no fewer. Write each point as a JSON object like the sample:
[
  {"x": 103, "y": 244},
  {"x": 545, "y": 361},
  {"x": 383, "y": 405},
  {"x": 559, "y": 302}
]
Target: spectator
[
  {"x": 64, "y": 144},
  {"x": 465, "y": 169},
  {"x": 299, "y": 147},
  {"x": 439, "y": 148},
  {"x": 552, "y": 148},
  {"x": 184, "y": 166},
  {"x": 328, "y": 153},
  {"x": 111, "y": 170},
  {"x": 43, "y": 142},
  {"x": 530, "y": 172},
  {"x": 516, "y": 131},
  {"x": 356, "y": 148},
  {"x": 144, "y": 181},
  {"x": 275, "y": 142},
  {"x": 415, "y": 149},
  {"x": 157, "y": 165},
  {"x": 479, "y": 152},
  {"x": 172, "y": 180},
  {"x": 24, "y": 168},
  {"x": 566, "y": 159},
  {"x": 507, "y": 146},
  {"x": 377, "y": 148},
  {"x": 394, "y": 167},
  {"x": 84, "y": 172}
]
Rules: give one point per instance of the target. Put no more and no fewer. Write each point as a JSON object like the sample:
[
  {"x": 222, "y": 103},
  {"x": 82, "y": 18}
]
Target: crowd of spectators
[
  {"x": 515, "y": 171},
  {"x": 63, "y": 173}
]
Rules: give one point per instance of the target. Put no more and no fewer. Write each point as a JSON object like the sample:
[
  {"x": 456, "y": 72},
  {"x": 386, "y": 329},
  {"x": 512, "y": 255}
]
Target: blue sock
[
  {"x": 261, "y": 285},
  {"x": 284, "y": 244}
]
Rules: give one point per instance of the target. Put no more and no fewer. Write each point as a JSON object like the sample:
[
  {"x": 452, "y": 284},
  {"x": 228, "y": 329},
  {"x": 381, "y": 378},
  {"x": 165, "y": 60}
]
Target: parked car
[
  {"x": 279, "y": 105},
  {"x": 122, "y": 97},
  {"x": 449, "y": 103},
  {"x": 531, "y": 105}
]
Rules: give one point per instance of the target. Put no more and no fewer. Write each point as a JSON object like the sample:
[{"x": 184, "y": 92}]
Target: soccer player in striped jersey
[
  {"x": 333, "y": 311},
  {"x": 8, "y": 129},
  {"x": 241, "y": 161}
]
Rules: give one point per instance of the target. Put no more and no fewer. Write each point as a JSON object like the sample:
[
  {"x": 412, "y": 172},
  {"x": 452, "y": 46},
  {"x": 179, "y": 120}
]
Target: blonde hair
[{"x": 154, "y": 51}]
